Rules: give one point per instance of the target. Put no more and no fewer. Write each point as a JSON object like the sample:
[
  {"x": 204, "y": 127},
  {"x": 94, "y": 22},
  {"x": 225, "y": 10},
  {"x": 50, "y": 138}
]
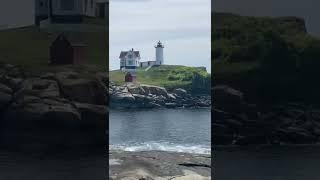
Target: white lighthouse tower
[{"x": 159, "y": 53}]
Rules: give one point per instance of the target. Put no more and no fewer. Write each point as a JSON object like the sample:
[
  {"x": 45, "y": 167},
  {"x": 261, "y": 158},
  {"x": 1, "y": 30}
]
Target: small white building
[
  {"x": 147, "y": 63},
  {"x": 129, "y": 60},
  {"x": 159, "y": 57},
  {"x": 16, "y": 13}
]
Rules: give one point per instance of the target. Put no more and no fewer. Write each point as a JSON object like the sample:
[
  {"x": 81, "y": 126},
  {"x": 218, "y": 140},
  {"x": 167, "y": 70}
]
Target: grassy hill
[
  {"x": 168, "y": 76},
  {"x": 243, "y": 41},
  {"x": 238, "y": 38},
  {"x": 270, "y": 59},
  {"x": 29, "y": 47}
]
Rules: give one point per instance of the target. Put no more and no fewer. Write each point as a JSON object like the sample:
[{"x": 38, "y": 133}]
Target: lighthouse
[{"x": 159, "y": 53}]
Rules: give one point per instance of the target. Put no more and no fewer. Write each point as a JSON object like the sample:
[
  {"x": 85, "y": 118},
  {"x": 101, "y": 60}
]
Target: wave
[{"x": 162, "y": 146}]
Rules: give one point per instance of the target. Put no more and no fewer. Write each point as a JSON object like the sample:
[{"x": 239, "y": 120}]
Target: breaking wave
[{"x": 162, "y": 146}]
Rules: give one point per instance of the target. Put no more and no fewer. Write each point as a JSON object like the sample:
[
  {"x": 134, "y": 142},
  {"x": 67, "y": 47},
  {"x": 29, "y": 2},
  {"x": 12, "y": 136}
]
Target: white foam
[
  {"x": 162, "y": 146},
  {"x": 115, "y": 162}
]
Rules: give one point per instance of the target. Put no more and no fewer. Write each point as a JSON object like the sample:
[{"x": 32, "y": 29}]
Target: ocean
[{"x": 176, "y": 130}]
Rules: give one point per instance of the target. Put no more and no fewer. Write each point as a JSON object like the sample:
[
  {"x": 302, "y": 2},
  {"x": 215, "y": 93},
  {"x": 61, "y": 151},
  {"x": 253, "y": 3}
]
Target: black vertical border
[
  {"x": 212, "y": 95},
  {"x": 106, "y": 148}
]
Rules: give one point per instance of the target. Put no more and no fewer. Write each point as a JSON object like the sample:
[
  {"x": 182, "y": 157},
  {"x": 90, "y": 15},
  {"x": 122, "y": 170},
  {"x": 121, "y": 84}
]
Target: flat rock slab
[{"x": 158, "y": 165}]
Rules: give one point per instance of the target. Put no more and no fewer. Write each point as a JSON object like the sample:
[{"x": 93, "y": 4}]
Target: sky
[
  {"x": 12, "y": 16},
  {"x": 307, "y": 9},
  {"x": 184, "y": 27}
]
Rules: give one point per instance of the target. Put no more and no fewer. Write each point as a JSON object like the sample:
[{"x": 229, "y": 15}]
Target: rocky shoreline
[
  {"x": 134, "y": 95},
  {"x": 237, "y": 122},
  {"x": 61, "y": 108},
  {"x": 158, "y": 165}
]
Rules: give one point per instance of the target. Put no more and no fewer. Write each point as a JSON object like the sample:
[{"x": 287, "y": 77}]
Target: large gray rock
[
  {"x": 122, "y": 97},
  {"x": 36, "y": 108},
  {"x": 172, "y": 97},
  {"x": 142, "y": 98},
  {"x": 93, "y": 124},
  {"x": 296, "y": 135},
  {"x": 123, "y": 100},
  {"x": 155, "y": 90},
  {"x": 5, "y": 89},
  {"x": 43, "y": 88},
  {"x": 85, "y": 90},
  {"x": 49, "y": 75},
  {"x": 5, "y": 96},
  {"x": 92, "y": 113},
  {"x": 5, "y": 99},
  {"x": 136, "y": 89},
  {"x": 11, "y": 71},
  {"x": 180, "y": 92},
  {"x": 103, "y": 80},
  {"x": 228, "y": 99},
  {"x": 40, "y": 111},
  {"x": 133, "y": 95},
  {"x": 40, "y": 121}
]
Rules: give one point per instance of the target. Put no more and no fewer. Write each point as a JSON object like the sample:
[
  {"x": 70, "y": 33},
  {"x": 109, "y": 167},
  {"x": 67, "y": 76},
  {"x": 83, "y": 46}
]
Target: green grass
[
  {"x": 240, "y": 43},
  {"x": 271, "y": 60},
  {"x": 168, "y": 76},
  {"x": 241, "y": 38},
  {"x": 29, "y": 48}
]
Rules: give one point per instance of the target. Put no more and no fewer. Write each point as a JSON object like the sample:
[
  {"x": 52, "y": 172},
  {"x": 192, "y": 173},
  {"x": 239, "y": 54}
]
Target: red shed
[
  {"x": 129, "y": 77},
  {"x": 79, "y": 53},
  {"x": 62, "y": 51}
]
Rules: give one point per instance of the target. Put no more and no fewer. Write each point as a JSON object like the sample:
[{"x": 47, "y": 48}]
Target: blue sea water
[{"x": 178, "y": 130}]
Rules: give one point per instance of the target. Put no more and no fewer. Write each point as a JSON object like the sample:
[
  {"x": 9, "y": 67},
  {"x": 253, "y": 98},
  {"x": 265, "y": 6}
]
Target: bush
[{"x": 172, "y": 77}]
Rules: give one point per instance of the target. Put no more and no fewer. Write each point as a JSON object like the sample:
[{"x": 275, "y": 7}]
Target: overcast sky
[
  {"x": 307, "y": 9},
  {"x": 13, "y": 15},
  {"x": 184, "y": 26}
]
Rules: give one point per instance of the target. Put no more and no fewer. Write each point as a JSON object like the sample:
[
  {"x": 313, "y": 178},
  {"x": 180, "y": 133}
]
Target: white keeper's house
[{"x": 130, "y": 60}]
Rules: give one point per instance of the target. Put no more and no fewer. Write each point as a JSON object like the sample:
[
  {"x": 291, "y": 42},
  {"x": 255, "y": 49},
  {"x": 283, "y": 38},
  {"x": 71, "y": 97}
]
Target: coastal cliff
[
  {"x": 265, "y": 72},
  {"x": 165, "y": 86},
  {"x": 268, "y": 59},
  {"x": 134, "y": 95},
  {"x": 63, "y": 108},
  {"x": 237, "y": 122}
]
